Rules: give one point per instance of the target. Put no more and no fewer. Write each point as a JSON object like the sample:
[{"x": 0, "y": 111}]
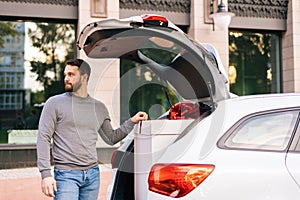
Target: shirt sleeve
[
  {"x": 46, "y": 129},
  {"x": 111, "y": 136}
]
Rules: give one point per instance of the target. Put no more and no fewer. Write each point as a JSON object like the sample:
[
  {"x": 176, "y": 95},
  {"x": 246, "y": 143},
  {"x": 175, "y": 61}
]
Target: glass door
[{"x": 254, "y": 62}]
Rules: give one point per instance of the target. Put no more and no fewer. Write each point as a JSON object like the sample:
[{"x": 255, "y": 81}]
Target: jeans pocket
[
  {"x": 62, "y": 173},
  {"x": 95, "y": 170}
]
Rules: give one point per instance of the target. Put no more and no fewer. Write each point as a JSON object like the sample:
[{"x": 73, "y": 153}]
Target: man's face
[{"x": 72, "y": 78}]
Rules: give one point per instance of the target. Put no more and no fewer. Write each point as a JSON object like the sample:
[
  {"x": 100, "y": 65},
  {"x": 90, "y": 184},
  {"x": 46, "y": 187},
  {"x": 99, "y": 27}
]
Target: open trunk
[{"x": 190, "y": 74}]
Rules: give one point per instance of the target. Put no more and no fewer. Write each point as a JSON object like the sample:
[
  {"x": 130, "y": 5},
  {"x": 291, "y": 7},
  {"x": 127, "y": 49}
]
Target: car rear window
[{"x": 271, "y": 131}]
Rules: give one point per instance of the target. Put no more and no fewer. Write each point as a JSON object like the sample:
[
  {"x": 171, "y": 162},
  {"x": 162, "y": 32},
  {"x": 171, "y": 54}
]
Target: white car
[{"x": 208, "y": 145}]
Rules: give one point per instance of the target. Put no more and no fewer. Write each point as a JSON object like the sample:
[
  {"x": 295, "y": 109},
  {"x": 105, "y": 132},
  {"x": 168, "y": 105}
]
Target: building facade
[
  {"x": 12, "y": 91},
  {"x": 270, "y": 28}
]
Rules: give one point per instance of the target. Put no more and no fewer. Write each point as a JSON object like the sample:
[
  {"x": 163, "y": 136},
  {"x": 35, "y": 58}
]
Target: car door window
[{"x": 264, "y": 132}]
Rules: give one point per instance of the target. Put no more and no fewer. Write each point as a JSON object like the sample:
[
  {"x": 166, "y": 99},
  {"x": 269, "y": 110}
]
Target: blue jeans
[{"x": 77, "y": 184}]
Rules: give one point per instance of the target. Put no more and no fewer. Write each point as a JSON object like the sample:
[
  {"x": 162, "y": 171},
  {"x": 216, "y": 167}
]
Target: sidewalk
[{"x": 25, "y": 184}]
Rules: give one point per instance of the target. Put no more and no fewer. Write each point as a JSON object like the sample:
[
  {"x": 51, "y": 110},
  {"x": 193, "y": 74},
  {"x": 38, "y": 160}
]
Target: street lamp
[{"x": 222, "y": 18}]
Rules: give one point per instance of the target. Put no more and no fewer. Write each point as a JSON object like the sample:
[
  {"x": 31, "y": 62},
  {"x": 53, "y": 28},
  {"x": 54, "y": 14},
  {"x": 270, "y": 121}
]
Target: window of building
[
  {"x": 11, "y": 100},
  {"x": 27, "y": 57},
  {"x": 254, "y": 62}
]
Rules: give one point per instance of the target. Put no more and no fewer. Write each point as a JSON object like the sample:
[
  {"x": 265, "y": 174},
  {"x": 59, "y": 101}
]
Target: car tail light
[
  {"x": 177, "y": 180},
  {"x": 155, "y": 20},
  {"x": 184, "y": 110}
]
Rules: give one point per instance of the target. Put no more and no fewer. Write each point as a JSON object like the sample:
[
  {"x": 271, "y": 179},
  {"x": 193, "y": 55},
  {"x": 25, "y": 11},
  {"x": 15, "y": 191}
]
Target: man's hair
[{"x": 84, "y": 67}]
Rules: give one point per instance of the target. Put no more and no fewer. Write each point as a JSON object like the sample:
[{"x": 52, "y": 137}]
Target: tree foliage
[
  {"x": 51, "y": 40},
  {"x": 6, "y": 28}
]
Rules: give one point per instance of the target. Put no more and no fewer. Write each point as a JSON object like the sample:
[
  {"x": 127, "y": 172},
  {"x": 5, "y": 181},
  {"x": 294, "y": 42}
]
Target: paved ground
[{"x": 24, "y": 184}]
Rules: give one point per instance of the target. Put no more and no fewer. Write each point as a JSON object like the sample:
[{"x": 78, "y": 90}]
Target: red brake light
[
  {"x": 177, "y": 180},
  {"x": 155, "y": 20},
  {"x": 184, "y": 110}
]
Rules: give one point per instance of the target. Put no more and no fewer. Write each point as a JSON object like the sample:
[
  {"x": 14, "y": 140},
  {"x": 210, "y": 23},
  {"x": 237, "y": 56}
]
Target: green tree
[
  {"x": 6, "y": 28},
  {"x": 52, "y": 40}
]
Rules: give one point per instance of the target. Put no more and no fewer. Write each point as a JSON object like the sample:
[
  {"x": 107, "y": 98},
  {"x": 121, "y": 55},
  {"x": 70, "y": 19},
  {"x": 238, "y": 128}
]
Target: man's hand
[
  {"x": 140, "y": 116},
  {"x": 49, "y": 186}
]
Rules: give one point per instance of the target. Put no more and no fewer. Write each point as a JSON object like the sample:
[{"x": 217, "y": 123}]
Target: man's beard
[{"x": 69, "y": 87}]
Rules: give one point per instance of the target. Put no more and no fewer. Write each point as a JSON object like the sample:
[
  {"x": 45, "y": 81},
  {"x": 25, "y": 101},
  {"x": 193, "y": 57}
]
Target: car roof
[
  {"x": 287, "y": 97},
  {"x": 241, "y": 105}
]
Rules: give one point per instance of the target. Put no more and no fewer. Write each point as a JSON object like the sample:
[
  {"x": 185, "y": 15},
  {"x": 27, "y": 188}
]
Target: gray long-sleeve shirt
[{"x": 73, "y": 123}]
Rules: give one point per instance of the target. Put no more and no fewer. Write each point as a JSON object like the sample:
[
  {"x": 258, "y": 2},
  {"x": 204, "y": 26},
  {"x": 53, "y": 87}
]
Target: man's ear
[{"x": 86, "y": 77}]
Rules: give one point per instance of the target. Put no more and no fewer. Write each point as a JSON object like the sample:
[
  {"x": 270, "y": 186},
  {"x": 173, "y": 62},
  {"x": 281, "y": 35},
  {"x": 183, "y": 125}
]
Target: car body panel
[
  {"x": 151, "y": 140},
  {"x": 247, "y": 174},
  {"x": 292, "y": 164},
  {"x": 242, "y": 175}
]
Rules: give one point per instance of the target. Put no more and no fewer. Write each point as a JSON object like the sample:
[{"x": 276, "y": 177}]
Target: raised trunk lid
[{"x": 188, "y": 66}]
